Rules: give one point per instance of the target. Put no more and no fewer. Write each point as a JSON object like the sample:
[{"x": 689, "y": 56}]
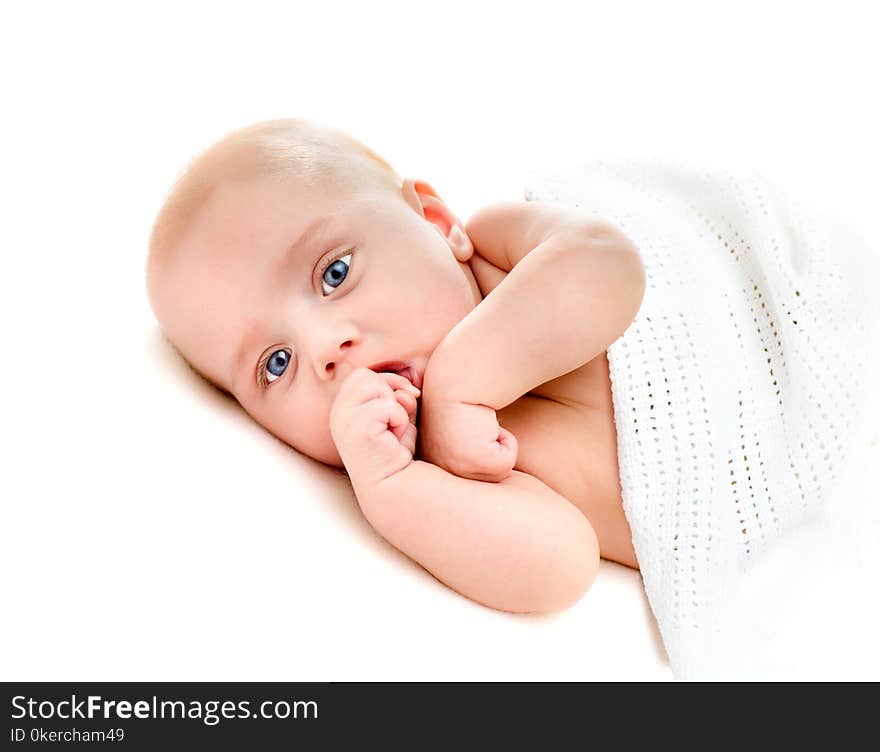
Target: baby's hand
[
  {"x": 373, "y": 424},
  {"x": 466, "y": 440}
]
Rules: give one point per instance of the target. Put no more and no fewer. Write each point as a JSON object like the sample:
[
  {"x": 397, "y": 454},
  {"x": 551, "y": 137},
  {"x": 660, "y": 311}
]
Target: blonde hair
[{"x": 294, "y": 148}]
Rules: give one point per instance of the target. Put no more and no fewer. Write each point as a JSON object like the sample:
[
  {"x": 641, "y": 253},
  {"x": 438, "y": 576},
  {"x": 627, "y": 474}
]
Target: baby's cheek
[
  {"x": 305, "y": 429},
  {"x": 317, "y": 442},
  {"x": 332, "y": 457},
  {"x": 318, "y": 445}
]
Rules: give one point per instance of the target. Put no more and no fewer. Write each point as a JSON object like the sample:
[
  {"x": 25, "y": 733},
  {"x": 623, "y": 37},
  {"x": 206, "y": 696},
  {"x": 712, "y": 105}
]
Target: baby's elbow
[
  {"x": 576, "y": 572},
  {"x": 633, "y": 277},
  {"x": 570, "y": 569},
  {"x": 633, "y": 280}
]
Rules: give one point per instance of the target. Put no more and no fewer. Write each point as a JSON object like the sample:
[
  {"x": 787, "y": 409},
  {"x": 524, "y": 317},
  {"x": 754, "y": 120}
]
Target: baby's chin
[
  {"x": 331, "y": 458},
  {"x": 326, "y": 455}
]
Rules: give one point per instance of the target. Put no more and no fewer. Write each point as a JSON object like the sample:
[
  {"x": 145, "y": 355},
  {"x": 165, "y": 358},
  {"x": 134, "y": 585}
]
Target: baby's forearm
[
  {"x": 558, "y": 308},
  {"x": 516, "y": 545}
]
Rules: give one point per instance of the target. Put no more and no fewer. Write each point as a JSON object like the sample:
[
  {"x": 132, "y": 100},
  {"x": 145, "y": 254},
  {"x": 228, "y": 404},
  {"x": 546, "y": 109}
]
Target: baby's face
[{"x": 281, "y": 292}]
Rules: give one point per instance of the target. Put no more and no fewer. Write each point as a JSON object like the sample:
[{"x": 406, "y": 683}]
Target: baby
[{"x": 458, "y": 373}]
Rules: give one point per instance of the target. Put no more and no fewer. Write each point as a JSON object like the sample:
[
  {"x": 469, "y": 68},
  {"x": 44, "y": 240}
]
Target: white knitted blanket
[{"x": 737, "y": 390}]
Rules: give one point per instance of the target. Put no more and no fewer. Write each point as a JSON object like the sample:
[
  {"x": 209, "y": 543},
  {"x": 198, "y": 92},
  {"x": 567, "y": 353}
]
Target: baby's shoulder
[{"x": 505, "y": 232}]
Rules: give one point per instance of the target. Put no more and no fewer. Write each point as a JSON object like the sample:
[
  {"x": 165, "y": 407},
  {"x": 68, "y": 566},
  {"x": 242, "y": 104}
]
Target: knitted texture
[{"x": 736, "y": 389}]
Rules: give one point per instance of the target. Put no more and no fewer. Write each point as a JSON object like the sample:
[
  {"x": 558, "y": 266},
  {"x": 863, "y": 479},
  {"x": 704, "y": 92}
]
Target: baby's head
[{"x": 287, "y": 255}]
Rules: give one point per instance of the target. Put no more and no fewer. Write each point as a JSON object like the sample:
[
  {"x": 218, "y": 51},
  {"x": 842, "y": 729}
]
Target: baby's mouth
[
  {"x": 403, "y": 369},
  {"x": 410, "y": 373}
]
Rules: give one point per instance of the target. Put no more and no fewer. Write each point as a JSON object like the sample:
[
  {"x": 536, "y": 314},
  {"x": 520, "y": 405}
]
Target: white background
[{"x": 149, "y": 529}]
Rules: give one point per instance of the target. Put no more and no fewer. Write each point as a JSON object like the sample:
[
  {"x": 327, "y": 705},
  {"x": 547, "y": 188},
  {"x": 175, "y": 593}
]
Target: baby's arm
[
  {"x": 515, "y": 545},
  {"x": 574, "y": 284}
]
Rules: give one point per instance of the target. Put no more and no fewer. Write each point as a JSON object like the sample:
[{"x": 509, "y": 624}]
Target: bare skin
[
  {"x": 567, "y": 438},
  {"x": 516, "y": 522}
]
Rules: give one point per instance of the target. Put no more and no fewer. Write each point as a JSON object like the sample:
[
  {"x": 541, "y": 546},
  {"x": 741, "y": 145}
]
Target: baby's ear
[{"x": 424, "y": 199}]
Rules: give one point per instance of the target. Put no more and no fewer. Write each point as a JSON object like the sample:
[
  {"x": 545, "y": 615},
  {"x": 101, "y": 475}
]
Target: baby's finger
[
  {"x": 364, "y": 385},
  {"x": 507, "y": 443},
  {"x": 409, "y": 402},
  {"x": 398, "y": 420},
  {"x": 361, "y": 386},
  {"x": 408, "y": 440},
  {"x": 495, "y": 461},
  {"x": 396, "y": 381},
  {"x": 506, "y": 448}
]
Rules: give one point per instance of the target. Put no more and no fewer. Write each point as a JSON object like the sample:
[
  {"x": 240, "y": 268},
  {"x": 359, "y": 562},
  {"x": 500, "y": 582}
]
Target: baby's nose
[{"x": 329, "y": 361}]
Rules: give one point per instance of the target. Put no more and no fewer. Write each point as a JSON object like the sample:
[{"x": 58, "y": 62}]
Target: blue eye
[
  {"x": 335, "y": 273},
  {"x": 277, "y": 364}
]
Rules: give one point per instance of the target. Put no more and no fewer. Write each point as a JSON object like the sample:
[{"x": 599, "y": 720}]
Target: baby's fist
[
  {"x": 373, "y": 424},
  {"x": 466, "y": 440}
]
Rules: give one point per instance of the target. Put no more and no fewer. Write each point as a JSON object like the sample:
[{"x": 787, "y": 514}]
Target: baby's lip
[{"x": 403, "y": 368}]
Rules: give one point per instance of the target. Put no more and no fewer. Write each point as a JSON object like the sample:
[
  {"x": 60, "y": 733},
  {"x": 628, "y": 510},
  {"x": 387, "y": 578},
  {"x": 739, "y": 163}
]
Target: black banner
[{"x": 140, "y": 715}]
